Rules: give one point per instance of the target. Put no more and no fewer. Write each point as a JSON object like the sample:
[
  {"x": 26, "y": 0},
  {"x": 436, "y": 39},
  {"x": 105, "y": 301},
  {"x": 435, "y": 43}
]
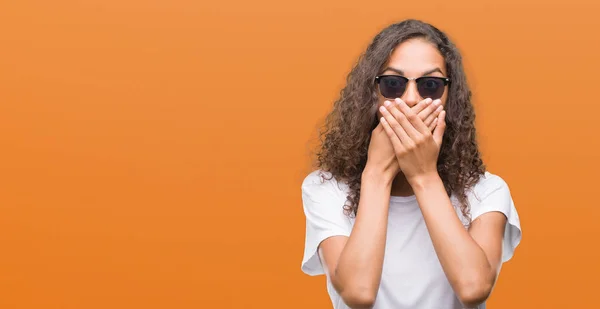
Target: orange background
[{"x": 152, "y": 151}]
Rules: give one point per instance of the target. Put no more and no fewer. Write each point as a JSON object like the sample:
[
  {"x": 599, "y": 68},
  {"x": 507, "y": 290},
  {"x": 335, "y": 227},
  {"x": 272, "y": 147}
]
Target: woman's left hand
[{"x": 416, "y": 147}]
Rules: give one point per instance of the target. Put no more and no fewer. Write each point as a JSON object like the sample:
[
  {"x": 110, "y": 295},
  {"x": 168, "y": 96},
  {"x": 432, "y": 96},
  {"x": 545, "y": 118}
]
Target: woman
[{"x": 401, "y": 212}]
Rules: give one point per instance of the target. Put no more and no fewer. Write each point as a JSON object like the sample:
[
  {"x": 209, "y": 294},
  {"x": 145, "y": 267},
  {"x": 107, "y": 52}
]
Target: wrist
[
  {"x": 377, "y": 176},
  {"x": 420, "y": 182}
]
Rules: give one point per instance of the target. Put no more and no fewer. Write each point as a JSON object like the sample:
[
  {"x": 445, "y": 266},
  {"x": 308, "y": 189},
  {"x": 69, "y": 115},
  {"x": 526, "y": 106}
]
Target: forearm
[
  {"x": 358, "y": 271},
  {"x": 463, "y": 260}
]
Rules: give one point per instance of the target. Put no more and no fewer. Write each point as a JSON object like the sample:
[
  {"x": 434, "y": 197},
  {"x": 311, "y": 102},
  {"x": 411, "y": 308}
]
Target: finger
[
  {"x": 396, "y": 143},
  {"x": 433, "y": 125},
  {"x": 408, "y": 128},
  {"x": 395, "y": 125},
  {"x": 429, "y": 120},
  {"x": 417, "y": 127},
  {"x": 422, "y": 106},
  {"x": 427, "y": 111},
  {"x": 438, "y": 133}
]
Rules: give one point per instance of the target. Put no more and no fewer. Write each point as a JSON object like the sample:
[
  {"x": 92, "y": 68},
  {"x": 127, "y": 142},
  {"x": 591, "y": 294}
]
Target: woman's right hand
[
  {"x": 381, "y": 158},
  {"x": 354, "y": 263}
]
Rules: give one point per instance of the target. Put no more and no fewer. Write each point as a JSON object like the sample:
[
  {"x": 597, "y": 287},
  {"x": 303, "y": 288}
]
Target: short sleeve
[
  {"x": 323, "y": 202},
  {"x": 493, "y": 194}
]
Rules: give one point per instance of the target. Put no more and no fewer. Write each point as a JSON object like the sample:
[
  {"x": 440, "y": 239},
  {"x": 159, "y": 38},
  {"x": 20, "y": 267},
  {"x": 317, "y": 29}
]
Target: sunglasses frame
[{"x": 446, "y": 80}]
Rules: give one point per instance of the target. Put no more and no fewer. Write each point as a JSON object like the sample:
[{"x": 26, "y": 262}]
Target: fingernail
[
  {"x": 428, "y": 100},
  {"x": 439, "y": 109},
  {"x": 437, "y": 102},
  {"x": 382, "y": 109},
  {"x": 387, "y": 103}
]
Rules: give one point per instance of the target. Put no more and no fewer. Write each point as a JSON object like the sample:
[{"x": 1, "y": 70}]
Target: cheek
[{"x": 444, "y": 98}]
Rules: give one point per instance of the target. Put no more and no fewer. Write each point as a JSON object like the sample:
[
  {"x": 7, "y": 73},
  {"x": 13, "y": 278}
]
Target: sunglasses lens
[
  {"x": 430, "y": 87},
  {"x": 392, "y": 87}
]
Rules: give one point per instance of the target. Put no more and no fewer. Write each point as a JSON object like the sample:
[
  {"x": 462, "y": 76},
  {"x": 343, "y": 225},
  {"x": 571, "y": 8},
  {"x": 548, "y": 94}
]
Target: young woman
[{"x": 401, "y": 212}]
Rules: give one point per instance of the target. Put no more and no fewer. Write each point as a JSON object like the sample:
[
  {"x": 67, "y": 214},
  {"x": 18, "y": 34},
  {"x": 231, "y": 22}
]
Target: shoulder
[
  {"x": 323, "y": 194},
  {"x": 323, "y": 199},
  {"x": 488, "y": 184},
  {"x": 322, "y": 182},
  {"x": 491, "y": 193},
  {"x": 318, "y": 177}
]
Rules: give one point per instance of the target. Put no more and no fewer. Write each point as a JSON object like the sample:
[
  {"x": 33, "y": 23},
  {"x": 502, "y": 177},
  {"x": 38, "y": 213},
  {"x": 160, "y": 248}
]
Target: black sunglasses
[{"x": 393, "y": 86}]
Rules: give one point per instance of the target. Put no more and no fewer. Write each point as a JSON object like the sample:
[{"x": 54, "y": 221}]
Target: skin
[
  {"x": 413, "y": 60},
  {"x": 402, "y": 161}
]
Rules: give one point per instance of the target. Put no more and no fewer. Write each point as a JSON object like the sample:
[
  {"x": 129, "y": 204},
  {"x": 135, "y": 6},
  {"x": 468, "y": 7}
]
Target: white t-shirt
[{"x": 412, "y": 276}]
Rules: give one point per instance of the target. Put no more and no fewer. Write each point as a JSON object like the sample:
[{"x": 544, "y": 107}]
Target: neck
[{"x": 400, "y": 186}]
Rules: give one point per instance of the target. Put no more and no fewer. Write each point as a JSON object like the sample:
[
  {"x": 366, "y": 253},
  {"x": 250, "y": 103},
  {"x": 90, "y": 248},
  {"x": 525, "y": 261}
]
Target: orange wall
[{"x": 152, "y": 151}]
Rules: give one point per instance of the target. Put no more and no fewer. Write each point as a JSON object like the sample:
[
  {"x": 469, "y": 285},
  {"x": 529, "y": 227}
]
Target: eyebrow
[{"x": 424, "y": 73}]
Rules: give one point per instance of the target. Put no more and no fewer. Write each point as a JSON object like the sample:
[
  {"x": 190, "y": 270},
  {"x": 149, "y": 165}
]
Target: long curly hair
[{"x": 344, "y": 137}]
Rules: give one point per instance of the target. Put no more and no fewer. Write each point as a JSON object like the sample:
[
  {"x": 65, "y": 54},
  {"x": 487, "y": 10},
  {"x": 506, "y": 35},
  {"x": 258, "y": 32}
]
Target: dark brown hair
[{"x": 346, "y": 132}]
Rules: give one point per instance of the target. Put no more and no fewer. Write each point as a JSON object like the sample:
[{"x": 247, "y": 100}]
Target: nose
[{"x": 411, "y": 96}]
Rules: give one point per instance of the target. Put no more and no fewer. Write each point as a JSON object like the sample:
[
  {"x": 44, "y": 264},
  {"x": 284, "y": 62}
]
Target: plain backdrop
[{"x": 151, "y": 152}]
